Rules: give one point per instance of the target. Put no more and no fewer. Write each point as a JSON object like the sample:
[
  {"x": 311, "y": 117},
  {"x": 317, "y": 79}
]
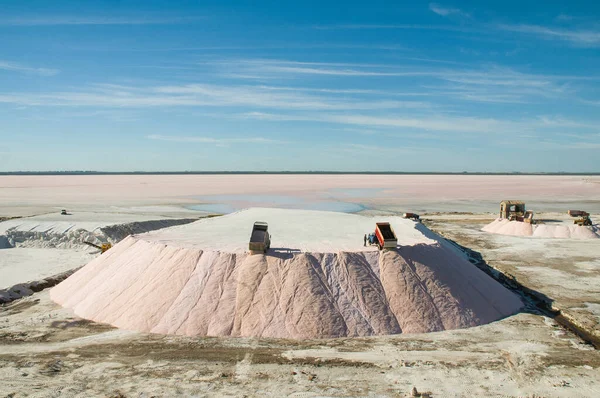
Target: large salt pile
[
  {"x": 517, "y": 228},
  {"x": 316, "y": 281}
]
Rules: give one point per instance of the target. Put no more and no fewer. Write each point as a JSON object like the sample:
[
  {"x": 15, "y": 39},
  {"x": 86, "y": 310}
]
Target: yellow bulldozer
[
  {"x": 514, "y": 210},
  {"x": 582, "y": 217}
]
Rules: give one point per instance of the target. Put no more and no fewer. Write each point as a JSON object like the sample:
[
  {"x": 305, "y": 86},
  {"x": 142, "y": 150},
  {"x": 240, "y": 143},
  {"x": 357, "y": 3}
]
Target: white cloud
[
  {"x": 564, "y": 17},
  {"x": 446, "y": 11},
  {"x": 203, "y": 95},
  {"x": 96, "y": 20},
  {"x": 427, "y": 122},
  {"x": 437, "y": 124},
  {"x": 489, "y": 84},
  {"x": 211, "y": 140},
  {"x": 559, "y": 122},
  {"x": 396, "y": 26},
  {"x": 554, "y": 145},
  {"x": 13, "y": 67},
  {"x": 361, "y": 148},
  {"x": 579, "y": 37}
]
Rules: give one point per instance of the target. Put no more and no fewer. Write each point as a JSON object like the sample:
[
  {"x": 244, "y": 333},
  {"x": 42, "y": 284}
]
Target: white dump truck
[{"x": 260, "y": 240}]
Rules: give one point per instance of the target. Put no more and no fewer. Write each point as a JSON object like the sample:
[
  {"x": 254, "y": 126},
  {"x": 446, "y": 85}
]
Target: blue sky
[{"x": 250, "y": 85}]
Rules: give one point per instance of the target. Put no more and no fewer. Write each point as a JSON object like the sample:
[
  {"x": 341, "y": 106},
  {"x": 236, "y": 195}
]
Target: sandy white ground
[
  {"x": 19, "y": 265},
  {"x": 47, "y": 351}
]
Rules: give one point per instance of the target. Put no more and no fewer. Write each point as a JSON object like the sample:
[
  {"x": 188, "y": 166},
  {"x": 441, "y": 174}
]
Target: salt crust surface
[{"x": 196, "y": 280}]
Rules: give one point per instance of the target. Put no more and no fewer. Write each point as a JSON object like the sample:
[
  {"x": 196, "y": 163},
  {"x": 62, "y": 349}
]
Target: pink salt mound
[
  {"x": 156, "y": 283},
  {"x": 506, "y": 227},
  {"x": 517, "y": 228}
]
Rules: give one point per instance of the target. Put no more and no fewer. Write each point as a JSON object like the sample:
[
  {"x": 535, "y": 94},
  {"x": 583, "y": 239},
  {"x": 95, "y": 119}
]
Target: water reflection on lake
[{"x": 224, "y": 204}]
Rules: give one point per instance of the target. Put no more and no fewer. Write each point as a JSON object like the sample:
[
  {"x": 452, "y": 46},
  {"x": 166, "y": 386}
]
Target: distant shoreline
[{"x": 77, "y": 173}]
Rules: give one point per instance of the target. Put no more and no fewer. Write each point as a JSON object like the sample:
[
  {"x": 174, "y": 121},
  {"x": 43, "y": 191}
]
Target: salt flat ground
[
  {"x": 26, "y": 195},
  {"x": 567, "y": 271},
  {"x": 47, "y": 351},
  {"x": 21, "y": 265}
]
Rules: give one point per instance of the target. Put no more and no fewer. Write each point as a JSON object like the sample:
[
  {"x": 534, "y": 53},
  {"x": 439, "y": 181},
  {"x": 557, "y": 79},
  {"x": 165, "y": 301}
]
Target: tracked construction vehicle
[
  {"x": 582, "y": 217},
  {"x": 514, "y": 210}
]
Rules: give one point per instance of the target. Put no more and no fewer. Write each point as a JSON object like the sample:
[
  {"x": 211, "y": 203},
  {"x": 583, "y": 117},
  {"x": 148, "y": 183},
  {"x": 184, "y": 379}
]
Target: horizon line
[{"x": 322, "y": 172}]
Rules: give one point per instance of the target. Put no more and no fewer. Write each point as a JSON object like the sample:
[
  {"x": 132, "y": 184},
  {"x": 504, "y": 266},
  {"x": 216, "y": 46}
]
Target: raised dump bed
[
  {"x": 386, "y": 236},
  {"x": 260, "y": 240}
]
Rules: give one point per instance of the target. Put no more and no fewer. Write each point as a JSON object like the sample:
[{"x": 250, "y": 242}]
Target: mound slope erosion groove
[{"x": 151, "y": 284}]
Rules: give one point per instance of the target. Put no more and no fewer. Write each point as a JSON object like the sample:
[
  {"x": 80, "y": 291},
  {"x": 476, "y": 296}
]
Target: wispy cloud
[
  {"x": 95, "y": 20},
  {"x": 429, "y": 122},
  {"x": 491, "y": 83},
  {"x": 364, "y": 149},
  {"x": 564, "y": 17},
  {"x": 13, "y": 67},
  {"x": 438, "y": 124},
  {"x": 447, "y": 11},
  {"x": 560, "y": 122},
  {"x": 431, "y": 85},
  {"x": 456, "y": 124},
  {"x": 203, "y": 95},
  {"x": 579, "y": 37},
  {"x": 212, "y": 140},
  {"x": 272, "y": 68},
  {"x": 394, "y": 26},
  {"x": 556, "y": 145}
]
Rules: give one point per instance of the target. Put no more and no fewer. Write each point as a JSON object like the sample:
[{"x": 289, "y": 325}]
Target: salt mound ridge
[
  {"x": 197, "y": 280},
  {"x": 516, "y": 228}
]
